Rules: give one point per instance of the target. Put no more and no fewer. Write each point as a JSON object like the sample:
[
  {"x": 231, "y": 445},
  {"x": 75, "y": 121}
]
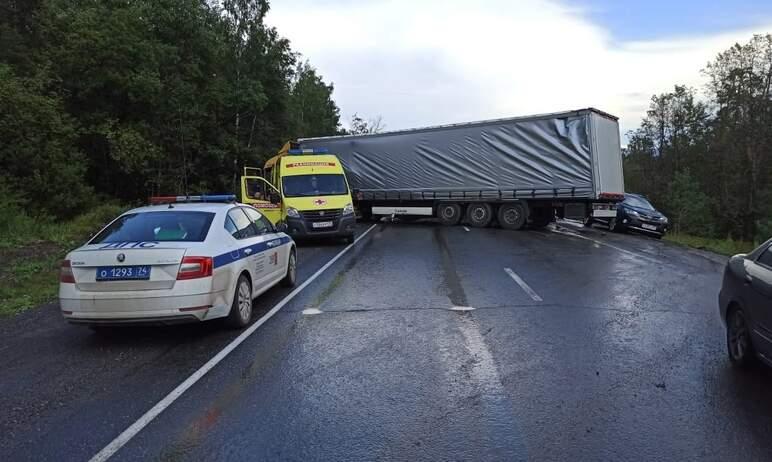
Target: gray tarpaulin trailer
[{"x": 516, "y": 171}]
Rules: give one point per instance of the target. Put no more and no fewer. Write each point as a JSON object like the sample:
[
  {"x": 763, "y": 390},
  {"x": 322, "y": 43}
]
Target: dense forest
[
  {"x": 706, "y": 158},
  {"x": 122, "y": 99}
]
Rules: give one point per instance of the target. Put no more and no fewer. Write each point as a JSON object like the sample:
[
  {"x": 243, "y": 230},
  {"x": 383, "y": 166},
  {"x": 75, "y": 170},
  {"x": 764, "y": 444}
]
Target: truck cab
[{"x": 305, "y": 189}]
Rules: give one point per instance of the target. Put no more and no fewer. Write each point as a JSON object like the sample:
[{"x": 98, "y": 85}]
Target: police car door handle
[{"x": 247, "y": 251}]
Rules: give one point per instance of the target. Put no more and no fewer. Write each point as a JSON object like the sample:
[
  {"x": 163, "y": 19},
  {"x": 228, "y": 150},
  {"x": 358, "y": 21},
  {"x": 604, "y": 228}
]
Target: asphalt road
[{"x": 421, "y": 343}]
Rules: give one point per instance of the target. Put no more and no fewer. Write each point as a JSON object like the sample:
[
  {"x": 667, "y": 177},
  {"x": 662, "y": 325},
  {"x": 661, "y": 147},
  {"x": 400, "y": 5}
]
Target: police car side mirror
[{"x": 281, "y": 228}]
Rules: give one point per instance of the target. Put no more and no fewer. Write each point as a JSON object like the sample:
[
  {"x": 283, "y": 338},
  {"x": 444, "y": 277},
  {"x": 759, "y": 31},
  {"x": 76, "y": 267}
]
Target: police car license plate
[
  {"x": 122, "y": 273},
  {"x": 649, "y": 227},
  {"x": 321, "y": 224}
]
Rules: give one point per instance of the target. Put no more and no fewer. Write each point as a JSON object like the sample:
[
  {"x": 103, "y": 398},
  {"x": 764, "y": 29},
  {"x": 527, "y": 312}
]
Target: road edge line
[{"x": 132, "y": 431}]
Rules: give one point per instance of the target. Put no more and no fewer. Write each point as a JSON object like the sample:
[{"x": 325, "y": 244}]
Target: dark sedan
[
  {"x": 745, "y": 301},
  {"x": 635, "y": 213}
]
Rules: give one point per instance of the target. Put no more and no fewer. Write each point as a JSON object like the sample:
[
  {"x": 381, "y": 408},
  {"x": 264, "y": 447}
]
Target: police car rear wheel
[
  {"x": 479, "y": 215},
  {"x": 449, "y": 214},
  {"x": 292, "y": 271},
  {"x": 241, "y": 309}
]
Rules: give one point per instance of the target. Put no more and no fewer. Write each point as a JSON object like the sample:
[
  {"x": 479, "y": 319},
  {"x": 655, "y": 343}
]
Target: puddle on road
[
  {"x": 351, "y": 262},
  {"x": 450, "y": 279}
]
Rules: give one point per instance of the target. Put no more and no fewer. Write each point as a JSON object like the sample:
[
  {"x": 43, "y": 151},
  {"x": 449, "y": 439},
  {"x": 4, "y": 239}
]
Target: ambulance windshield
[{"x": 314, "y": 185}]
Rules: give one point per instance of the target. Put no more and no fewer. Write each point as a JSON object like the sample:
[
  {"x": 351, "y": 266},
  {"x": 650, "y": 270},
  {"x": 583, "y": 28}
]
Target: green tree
[
  {"x": 38, "y": 160},
  {"x": 313, "y": 111},
  {"x": 741, "y": 87},
  {"x": 688, "y": 206},
  {"x": 360, "y": 126}
]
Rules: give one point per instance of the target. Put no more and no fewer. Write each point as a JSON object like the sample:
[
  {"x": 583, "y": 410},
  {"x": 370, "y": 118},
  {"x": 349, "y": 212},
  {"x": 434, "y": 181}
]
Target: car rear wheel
[
  {"x": 241, "y": 308},
  {"x": 292, "y": 271},
  {"x": 738, "y": 339},
  {"x": 612, "y": 224}
]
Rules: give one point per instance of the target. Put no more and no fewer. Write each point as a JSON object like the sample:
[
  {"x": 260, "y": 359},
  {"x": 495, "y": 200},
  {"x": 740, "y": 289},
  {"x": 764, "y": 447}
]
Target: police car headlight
[
  {"x": 293, "y": 213},
  {"x": 348, "y": 209}
]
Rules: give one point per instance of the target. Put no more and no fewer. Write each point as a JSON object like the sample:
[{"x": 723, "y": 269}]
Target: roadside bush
[
  {"x": 763, "y": 230},
  {"x": 688, "y": 206}
]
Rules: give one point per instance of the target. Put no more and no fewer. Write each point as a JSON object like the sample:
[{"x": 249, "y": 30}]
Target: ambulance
[{"x": 304, "y": 191}]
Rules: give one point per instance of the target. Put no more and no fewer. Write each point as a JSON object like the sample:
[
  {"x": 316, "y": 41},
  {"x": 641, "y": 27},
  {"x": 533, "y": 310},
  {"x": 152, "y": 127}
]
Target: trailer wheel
[
  {"x": 512, "y": 216},
  {"x": 541, "y": 217},
  {"x": 479, "y": 215},
  {"x": 449, "y": 214}
]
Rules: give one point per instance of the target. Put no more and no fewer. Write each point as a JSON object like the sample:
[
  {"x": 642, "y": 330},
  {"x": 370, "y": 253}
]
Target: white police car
[{"x": 190, "y": 259}]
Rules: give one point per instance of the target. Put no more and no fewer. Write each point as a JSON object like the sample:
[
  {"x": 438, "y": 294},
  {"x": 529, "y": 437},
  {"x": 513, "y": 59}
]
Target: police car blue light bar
[
  {"x": 202, "y": 198},
  {"x": 309, "y": 151}
]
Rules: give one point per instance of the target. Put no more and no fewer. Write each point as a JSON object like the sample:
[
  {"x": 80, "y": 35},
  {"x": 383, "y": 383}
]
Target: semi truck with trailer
[{"x": 516, "y": 172}]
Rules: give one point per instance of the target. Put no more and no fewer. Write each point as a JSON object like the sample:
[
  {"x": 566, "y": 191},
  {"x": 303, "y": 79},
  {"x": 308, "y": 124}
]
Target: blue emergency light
[
  {"x": 309, "y": 151},
  {"x": 202, "y": 198}
]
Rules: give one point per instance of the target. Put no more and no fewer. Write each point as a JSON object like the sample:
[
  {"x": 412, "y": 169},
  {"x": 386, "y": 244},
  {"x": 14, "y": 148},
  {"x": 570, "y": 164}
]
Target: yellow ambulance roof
[{"x": 314, "y": 163}]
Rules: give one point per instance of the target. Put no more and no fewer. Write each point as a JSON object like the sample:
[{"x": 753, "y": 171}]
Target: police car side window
[
  {"x": 244, "y": 227},
  {"x": 766, "y": 258},
  {"x": 261, "y": 223},
  {"x": 231, "y": 228}
]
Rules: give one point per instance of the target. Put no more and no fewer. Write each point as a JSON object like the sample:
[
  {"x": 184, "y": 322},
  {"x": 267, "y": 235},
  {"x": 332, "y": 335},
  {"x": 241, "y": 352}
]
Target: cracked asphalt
[{"x": 415, "y": 345}]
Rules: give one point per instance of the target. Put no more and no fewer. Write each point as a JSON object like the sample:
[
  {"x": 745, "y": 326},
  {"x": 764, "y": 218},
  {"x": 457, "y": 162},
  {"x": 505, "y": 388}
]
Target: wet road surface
[{"x": 422, "y": 343}]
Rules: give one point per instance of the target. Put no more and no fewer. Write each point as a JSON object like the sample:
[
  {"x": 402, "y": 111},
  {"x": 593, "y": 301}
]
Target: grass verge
[
  {"x": 721, "y": 246},
  {"x": 30, "y": 252}
]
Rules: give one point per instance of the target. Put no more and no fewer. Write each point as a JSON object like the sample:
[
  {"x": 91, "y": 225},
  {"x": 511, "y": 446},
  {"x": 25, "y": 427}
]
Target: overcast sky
[{"x": 429, "y": 62}]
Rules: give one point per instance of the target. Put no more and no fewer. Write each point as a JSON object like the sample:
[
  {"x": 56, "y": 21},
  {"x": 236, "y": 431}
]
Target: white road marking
[
  {"x": 599, "y": 243},
  {"x": 116, "y": 444},
  {"x": 312, "y": 311},
  {"x": 523, "y": 285},
  {"x": 466, "y": 229},
  {"x": 462, "y": 308}
]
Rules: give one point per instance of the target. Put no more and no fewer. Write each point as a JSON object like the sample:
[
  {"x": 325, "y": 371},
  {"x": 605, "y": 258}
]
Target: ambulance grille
[{"x": 322, "y": 215}]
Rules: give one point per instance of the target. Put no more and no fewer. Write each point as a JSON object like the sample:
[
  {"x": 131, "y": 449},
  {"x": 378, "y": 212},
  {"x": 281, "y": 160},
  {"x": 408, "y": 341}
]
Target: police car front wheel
[{"x": 241, "y": 308}]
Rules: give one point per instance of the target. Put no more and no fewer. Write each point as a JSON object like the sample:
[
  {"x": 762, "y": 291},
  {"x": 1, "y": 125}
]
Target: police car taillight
[
  {"x": 194, "y": 268},
  {"x": 65, "y": 273}
]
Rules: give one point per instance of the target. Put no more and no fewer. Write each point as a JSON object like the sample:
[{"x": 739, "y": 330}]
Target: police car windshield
[
  {"x": 314, "y": 185},
  {"x": 171, "y": 226}
]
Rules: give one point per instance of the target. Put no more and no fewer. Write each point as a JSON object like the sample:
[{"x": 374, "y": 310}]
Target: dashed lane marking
[
  {"x": 462, "y": 308},
  {"x": 531, "y": 293},
  {"x": 599, "y": 243}
]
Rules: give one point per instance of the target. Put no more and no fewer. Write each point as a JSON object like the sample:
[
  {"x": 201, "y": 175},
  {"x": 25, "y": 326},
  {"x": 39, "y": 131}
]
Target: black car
[
  {"x": 635, "y": 213},
  {"x": 745, "y": 302}
]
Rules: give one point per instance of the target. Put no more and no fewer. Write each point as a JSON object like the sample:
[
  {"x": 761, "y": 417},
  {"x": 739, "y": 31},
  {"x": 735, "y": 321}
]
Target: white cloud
[{"x": 430, "y": 62}]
